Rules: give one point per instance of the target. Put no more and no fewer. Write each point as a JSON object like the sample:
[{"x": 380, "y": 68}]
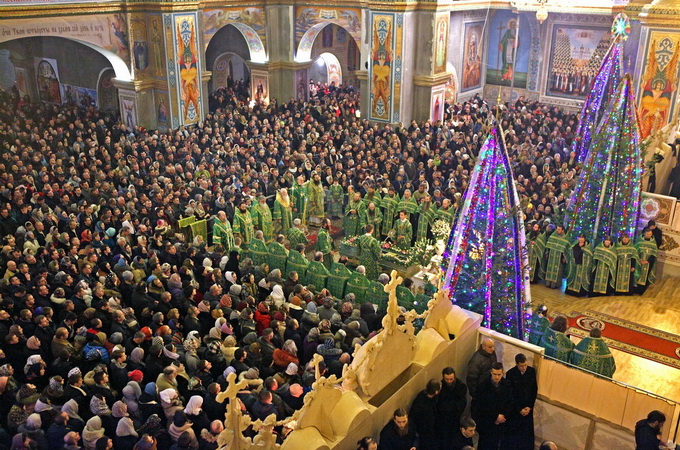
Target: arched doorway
[
  {"x": 229, "y": 67},
  {"x": 329, "y": 38},
  {"x": 51, "y": 69},
  {"x": 326, "y": 69}
]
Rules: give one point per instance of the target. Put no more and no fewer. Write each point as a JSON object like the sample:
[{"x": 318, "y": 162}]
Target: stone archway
[
  {"x": 327, "y": 69},
  {"x": 255, "y": 48}
]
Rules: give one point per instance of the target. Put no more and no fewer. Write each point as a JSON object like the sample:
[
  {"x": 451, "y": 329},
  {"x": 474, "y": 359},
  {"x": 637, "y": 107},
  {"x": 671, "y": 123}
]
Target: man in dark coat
[
  {"x": 462, "y": 436},
  {"x": 423, "y": 410},
  {"x": 480, "y": 364},
  {"x": 523, "y": 391},
  {"x": 491, "y": 409},
  {"x": 398, "y": 434},
  {"x": 647, "y": 431},
  {"x": 451, "y": 403}
]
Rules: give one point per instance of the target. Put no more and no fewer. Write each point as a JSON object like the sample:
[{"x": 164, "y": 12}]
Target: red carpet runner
[{"x": 629, "y": 337}]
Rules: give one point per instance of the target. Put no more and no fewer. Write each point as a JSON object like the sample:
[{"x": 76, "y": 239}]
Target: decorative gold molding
[
  {"x": 665, "y": 13},
  {"x": 78, "y": 9},
  {"x": 206, "y": 75},
  {"x": 279, "y": 65},
  {"x": 362, "y": 75},
  {"x": 431, "y": 80}
]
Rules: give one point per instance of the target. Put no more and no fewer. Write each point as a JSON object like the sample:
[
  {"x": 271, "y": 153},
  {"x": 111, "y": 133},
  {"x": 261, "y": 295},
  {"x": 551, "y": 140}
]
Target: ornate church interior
[{"x": 377, "y": 225}]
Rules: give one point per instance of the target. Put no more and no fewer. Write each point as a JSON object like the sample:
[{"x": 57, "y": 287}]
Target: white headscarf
[
  {"x": 194, "y": 405},
  {"x": 126, "y": 428},
  {"x": 167, "y": 395},
  {"x": 71, "y": 408},
  {"x": 93, "y": 431},
  {"x": 277, "y": 295}
]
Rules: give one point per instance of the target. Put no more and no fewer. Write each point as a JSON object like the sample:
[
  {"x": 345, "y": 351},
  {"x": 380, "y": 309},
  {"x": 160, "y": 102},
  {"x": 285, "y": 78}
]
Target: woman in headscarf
[
  {"x": 45, "y": 409},
  {"x": 136, "y": 360},
  {"x": 98, "y": 407},
  {"x": 233, "y": 265},
  {"x": 179, "y": 425},
  {"x": 131, "y": 394},
  {"x": 262, "y": 317},
  {"x": 154, "y": 427},
  {"x": 277, "y": 296},
  {"x": 146, "y": 442},
  {"x": 31, "y": 429},
  {"x": 74, "y": 420},
  {"x": 286, "y": 355},
  {"x": 170, "y": 402},
  {"x": 148, "y": 401},
  {"x": 196, "y": 415},
  {"x": 93, "y": 431},
  {"x": 126, "y": 435}
]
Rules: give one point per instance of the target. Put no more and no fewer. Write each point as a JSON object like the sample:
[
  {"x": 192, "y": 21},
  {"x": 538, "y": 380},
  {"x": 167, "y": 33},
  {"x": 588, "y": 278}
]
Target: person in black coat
[
  {"x": 648, "y": 431},
  {"x": 523, "y": 391},
  {"x": 398, "y": 434},
  {"x": 451, "y": 403},
  {"x": 423, "y": 410},
  {"x": 462, "y": 436},
  {"x": 491, "y": 408}
]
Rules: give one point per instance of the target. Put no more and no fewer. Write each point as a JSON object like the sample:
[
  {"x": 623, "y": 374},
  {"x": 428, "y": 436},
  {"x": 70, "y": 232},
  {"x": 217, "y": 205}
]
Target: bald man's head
[
  {"x": 488, "y": 345},
  {"x": 548, "y": 445}
]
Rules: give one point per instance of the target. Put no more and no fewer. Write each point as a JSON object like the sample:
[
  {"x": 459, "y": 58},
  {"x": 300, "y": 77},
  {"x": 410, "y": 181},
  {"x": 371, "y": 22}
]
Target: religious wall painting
[
  {"x": 347, "y": 18},
  {"x": 441, "y": 33},
  {"x": 575, "y": 59},
  {"x": 382, "y": 55},
  {"x": 77, "y": 95},
  {"x": 47, "y": 79},
  {"x": 451, "y": 86},
  {"x": 509, "y": 46},
  {"x": 259, "y": 86},
  {"x": 216, "y": 19},
  {"x": 658, "y": 82},
  {"x": 128, "y": 112},
  {"x": 472, "y": 56},
  {"x": 107, "y": 95},
  {"x": 140, "y": 46},
  {"x": 437, "y": 104},
  {"x": 188, "y": 68},
  {"x": 334, "y": 70},
  {"x": 162, "y": 109},
  {"x": 155, "y": 34},
  {"x": 341, "y": 36},
  {"x": 21, "y": 77},
  {"x": 301, "y": 90}
]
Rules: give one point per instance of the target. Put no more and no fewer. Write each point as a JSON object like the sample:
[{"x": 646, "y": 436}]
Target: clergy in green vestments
[
  {"x": 579, "y": 267},
  {"x": 539, "y": 323},
  {"x": 536, "y": 240},
  {"x": 337, "y": 279},
  {"x": 315, "y": 198},
  {"x": 298, "y": 262},
  {"x": 446, "y": 212},
  {"x": 645, "y": 270},
  {"x": 604, "y": 267},
  {"x": 555, "y": 342},
  {"x": 372, "y": 215},
  {"x": 389, "y": 205},
  {"x": 324, "y": 243},
  {"x": 593, "y": 355},
  {"x": 278, "y": 255},
  {"x": 370, "y": 253},
  {"x": 408, "y": 204},
  {"x": 358, "y": 284},
  {"x": 336, "y": 200},
  {"x": 557, "y": 247},
  {"x": 243, "y": 224},
  {"x": 372, "y": 196},
  {"x": 403, "y": 231},
  {"x": 262, "y": 218},
  {"x": 426, "y": 216},
  {"x": 258, "y": 249},
  {"x": 626, "y": 258},
  {"x": 298, "y": 194},
  {"x": 317, "y": 272},
  {"x": 283, "y": 212},
  {"x": 222, "y": 233},
  {"x": 353, "y": 212},
  {"x": 296, "y": 236}
]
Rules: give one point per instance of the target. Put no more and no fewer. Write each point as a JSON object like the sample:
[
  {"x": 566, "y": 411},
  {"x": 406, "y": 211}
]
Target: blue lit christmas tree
[
  {"x": 486, "y": 255},
  {"x": 606, "y": 200},
  {"x": 603, "y": 88}
]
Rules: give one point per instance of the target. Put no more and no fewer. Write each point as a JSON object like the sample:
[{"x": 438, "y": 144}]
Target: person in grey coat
[{"x": 480, "y": 364}]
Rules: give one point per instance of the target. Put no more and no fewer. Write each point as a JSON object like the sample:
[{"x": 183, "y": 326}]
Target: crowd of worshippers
[
  {"x": 493, "y": 407},
  {"x": 620, "y": 267}
]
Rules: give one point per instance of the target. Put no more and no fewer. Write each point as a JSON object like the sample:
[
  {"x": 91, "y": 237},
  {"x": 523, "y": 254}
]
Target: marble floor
[{"x": 659, "y": 308}]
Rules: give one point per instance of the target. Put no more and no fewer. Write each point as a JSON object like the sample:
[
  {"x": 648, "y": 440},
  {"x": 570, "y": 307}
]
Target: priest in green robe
[
  {"x": 353, "y": 212},
  {"x": 536, "y": 240},
  {"x": 336, "y": 199},
  {"x": 243, "y": 224},
  {"x": 324, "y": 243},
  {"x": 555, "y": 342},
  {"x": 317, "y": 272},
  {"x": 358, "y": 284},
  {"x": 408, "y": 204},
  {"x": 389, "y": 205},
  {"x": 298, "y": 262},
  {"x": 579, "y": 267},
  {"x": 338, "y": 276},
  {"x": 372, "y": 196},
  {"x": 593, "y": 355},
  {"x": 446, "y": 212},
  {"x": 557, "y": 247},
  {"x": 626, "y": 258},
  {"x": 278, "y": 255},
  {"x": 402, "y": 232},
  {"x": 604, "y": 267},
  {"x": 372, "y": 215},
  {"x": 539, "y": 323},
  {"x": 258, "y": 249},
  {"x": 315, "y": 199},
  {"x": 370, "y": 253},
  {"x": 283, "y": 212},
  {"x": 222, "y": 233},
  {"x": 296, "y": 236},
  {"x": 426, "y": 216},
  {"x": 645, "y": 270},
  {"x": 262, "y": 218},
  {"x": 298, "y": 194}
]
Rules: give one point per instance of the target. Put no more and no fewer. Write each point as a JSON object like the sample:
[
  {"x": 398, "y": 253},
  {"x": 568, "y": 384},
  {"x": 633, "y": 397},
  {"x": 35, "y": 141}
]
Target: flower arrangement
[
  {"x": 441, "y": 230},
  {"x": 421, "y": 253},
  {"x": 352, "y": 241}
]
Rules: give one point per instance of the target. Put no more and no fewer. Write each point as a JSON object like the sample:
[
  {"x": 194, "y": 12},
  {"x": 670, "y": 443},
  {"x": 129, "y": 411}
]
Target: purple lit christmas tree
[
  {"x": 487, "y": 263},
  {"x": 606, "y": 81},
  {"x": 606, "y": 200}
]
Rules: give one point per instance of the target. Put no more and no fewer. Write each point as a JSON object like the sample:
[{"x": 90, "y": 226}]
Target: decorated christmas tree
[
  {"x": 487, "y": 267},
  {"x": 606, "y": 200}
]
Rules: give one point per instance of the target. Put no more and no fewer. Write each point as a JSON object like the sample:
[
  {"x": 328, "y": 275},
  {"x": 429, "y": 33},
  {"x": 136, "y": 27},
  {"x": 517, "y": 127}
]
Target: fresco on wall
[
  {"x": 108, "y": 31},
  {"x": 441, "y": 30},
  {"x": 215, "y": 19},
  {"x": 472, "y": 56},
  {"x": 301, "y": 90},
  {"x": 47, "y": 79},
  {"x": 259, "y": 86},
  {"x": 347, "y": 18},
  {"x": 21, "y": 80},
  {"x": 140, "y": 46},
  {"x": 189, "y": 89},
  {"x": 162, "y": 111},
  {"x": 81, "y": 96},
  {"x": 437, "y": 105},
  {"x": 106, "y": 92},
  {"x": 575, "y": 58},
  {"x": 381, "y": 65},
  {"x": 658, "y": 82},
  {"x": 156, "y": 50},
  {"x": 128, "y": 112},
  {"x": 504, "y": 61}
]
